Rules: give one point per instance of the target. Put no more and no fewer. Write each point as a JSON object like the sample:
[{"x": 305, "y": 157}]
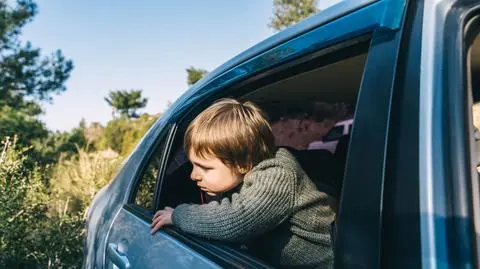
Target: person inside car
[{"x": 274, "y": 208}]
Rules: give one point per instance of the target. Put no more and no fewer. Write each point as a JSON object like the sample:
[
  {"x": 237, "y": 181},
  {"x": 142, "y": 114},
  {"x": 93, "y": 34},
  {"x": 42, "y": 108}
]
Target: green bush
[
  {"x": 61, "y": 144},
  {"x": 45, "y": 190},
  {"x": 123, "y": 134},
  {"x": 76, "y": 181},
  {"x": 30, "y": 237}
]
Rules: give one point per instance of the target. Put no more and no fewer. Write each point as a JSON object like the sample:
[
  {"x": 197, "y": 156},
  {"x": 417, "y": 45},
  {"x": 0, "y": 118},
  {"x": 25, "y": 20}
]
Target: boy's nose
[{"x": 194, "y": 176}]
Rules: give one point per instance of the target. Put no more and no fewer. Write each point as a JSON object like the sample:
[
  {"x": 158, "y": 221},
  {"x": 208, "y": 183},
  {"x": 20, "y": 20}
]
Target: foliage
[
  {"x": 123, "y": 134},
  {"x": 195, "y": 74},
  {"x": 289, "y": 12},
  {"x": 29, "y": 236},
  {"x": 126, "y": 102},
  {"x": 47, "y": 179},
  {"x": 44, "y": 147},
  {"x": 27, "y": 78},
  {"x": 60, "y": 145},
  {"x": 75, "y": 182},
  {"x": 14, "y": 121},
  {"x": 23, "y": 72}
]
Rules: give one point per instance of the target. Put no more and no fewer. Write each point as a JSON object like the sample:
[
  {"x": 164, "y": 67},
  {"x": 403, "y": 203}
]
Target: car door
[{"x": 129, "y": 242}]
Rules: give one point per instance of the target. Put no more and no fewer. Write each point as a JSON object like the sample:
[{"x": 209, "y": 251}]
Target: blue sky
[{"x": 140, "y": 45}]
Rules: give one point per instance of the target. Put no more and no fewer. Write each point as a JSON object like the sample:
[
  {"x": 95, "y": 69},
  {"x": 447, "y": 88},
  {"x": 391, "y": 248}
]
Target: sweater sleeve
[{"x": 265, "y": 201}]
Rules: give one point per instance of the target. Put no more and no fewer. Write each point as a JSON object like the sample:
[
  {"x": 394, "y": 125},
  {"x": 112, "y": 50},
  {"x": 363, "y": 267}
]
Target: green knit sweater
[{"x": 278, "y": 213}]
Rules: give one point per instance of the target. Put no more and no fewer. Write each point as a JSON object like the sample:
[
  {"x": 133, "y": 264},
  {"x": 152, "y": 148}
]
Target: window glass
[{"x": 145, "y": 192}]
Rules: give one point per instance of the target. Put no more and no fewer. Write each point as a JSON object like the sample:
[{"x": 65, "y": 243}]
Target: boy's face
[{"x": 212, "y": 175}]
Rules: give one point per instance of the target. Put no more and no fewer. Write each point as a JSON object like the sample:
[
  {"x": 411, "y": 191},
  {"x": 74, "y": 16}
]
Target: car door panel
[{"x": 130, "y": 236}]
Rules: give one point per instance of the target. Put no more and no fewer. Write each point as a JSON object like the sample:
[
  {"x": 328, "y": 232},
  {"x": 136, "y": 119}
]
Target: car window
[
  {"x": 145, "y": 190},
  {"x": 178, "y": 188},
  {"x": 334, "y": 134}
]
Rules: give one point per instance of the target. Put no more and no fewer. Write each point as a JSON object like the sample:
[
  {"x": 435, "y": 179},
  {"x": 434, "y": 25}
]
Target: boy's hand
[{"x": 161, "y": 218}]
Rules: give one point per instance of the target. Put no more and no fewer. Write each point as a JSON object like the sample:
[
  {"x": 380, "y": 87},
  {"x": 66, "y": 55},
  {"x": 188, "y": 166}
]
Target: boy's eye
[{"x": 204, "y": 168}]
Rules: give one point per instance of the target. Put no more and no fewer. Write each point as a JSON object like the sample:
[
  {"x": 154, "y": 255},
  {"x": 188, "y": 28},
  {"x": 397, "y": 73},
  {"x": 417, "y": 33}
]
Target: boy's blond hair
[{"x": 237, "y": 133}]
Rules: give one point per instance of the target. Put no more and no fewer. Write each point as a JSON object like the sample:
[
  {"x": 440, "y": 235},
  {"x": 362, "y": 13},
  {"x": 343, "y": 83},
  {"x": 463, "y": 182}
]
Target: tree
[
  {"x": 64, "y": 144},
  {"x": 126, "y": 102},
  {"x": 194, "y": 75},
  {"x": 26, "y": 77},
  {"x": 23, "y": 71},
  {"x": 289, "y": 12}
]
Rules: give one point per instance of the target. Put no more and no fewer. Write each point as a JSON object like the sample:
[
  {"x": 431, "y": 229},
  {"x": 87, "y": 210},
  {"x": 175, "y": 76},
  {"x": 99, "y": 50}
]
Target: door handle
[{"x": 117, "y": 258}]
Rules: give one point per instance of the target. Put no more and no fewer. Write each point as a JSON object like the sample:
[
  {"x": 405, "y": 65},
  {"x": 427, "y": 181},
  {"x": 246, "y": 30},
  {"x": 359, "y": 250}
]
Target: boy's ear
[{"x": 242, "y": 170}]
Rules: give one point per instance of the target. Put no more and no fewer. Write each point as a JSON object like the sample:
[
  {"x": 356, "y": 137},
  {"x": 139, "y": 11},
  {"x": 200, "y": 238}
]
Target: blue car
[{"x": 407, "y": 188}]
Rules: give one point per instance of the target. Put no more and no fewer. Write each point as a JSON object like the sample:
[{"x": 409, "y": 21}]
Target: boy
[{"x": 273, "y": 208}]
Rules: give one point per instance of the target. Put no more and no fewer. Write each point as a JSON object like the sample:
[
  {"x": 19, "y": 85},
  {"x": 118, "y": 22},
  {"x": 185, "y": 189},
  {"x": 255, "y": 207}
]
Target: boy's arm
[{"x": 265, "y": 201}]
